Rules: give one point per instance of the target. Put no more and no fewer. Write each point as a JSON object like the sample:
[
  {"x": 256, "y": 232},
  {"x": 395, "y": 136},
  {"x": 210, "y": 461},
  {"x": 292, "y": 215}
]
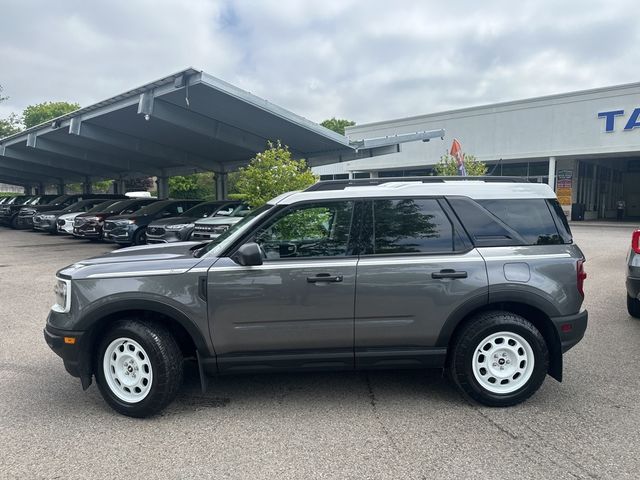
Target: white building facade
[{"x": 585, "y": 144}]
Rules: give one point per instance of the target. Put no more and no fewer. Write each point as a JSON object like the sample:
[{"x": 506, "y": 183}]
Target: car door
[
  {"x": 416, "y": 270},
  {"x": 296, "y": 309}
]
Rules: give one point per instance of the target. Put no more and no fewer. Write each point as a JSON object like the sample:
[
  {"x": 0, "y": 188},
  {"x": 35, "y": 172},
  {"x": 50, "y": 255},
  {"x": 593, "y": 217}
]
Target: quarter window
[
  {"x": 410, "y": 226},
  {"x": 314, "y": 230}
]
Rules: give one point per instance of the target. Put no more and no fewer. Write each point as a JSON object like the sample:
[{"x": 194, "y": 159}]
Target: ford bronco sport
[{"x": 479, "y": 277}]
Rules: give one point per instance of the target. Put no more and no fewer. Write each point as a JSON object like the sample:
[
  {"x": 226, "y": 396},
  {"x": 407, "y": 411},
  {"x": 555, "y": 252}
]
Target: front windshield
[
  {"x": 230, "y": 235},
  {"x": 101, "y": 206},
  {"x": 58, "y": 200},
  {"x": 203, "y": 210},
  {"x": 78, "y": 206},
  {"x": 153, "y": 208}
]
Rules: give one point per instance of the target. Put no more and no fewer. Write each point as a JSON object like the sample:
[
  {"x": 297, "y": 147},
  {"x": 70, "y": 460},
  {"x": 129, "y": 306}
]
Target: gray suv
[{"x": 479, "y": 277}]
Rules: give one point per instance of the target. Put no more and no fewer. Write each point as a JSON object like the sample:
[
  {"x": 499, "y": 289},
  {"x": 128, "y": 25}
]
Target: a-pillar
[
  {"x": 552, "y": 173},
  {"x": 163, "y": 187},
  {"x": 221, "y": 185},
  {"x": 86, "y": 186}
]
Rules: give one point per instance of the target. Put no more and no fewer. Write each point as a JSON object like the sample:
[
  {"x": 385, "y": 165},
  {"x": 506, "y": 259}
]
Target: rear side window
[
  {"x": 531, "y": 218},
  {"x": 503, "y": 222},
  {"x": 410, "y": 226}
]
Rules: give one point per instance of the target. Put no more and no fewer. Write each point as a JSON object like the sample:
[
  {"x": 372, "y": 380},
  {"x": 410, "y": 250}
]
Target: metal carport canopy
[{"x": 180, "y": 124}]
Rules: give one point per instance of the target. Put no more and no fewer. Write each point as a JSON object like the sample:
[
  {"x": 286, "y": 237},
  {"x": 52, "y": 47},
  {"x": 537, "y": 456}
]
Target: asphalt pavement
[{"x": 388, "y": 424}]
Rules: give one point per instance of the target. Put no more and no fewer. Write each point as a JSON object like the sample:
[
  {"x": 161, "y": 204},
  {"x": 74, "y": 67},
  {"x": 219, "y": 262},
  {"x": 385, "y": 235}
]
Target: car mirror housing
[{"x": 249, "y": 254}]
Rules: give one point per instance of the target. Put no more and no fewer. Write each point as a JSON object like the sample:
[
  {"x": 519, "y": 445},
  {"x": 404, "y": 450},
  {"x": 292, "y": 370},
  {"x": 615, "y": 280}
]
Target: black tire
[
  {"x": 164, "y": 356},
  {"x": 467, "y": 343},
  {"x": 14, "y": 222},
  {"x": 633, "y": 306},
  {"x": 140, "y": 237}
]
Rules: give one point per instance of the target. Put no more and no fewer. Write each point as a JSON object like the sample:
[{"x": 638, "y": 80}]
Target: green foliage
[
  {"x": 36, "y": 114},
  {"x": 10, "y": 125},
  {"x": 270, "y": 174},
  {"x": 337, "y": 124},
  {"x": 447, "y": 167},
  {"x": 198, "y": 185},
  {"x": 101, "y": 187}
]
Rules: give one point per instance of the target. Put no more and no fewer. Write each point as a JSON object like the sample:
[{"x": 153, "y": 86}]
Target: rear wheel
[
  {"x": 499, "y": 359},
  {"x": 138, "y": 368},
  {"x": 633, "y": 306}
]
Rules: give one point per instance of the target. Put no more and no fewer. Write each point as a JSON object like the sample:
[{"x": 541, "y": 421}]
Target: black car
[
  {"x": 131, "y": 229},
  {"x": 48, "y": 221},
  {"x": 178, "y": 229},
  {"x": 26, "y": 214},
  {"x": 90, "y": 225},
  {"x": 9, "y": 211}
]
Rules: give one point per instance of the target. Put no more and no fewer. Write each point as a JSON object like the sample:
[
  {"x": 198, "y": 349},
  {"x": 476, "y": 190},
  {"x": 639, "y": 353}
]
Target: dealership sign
[{"x": 609, "y": 122}]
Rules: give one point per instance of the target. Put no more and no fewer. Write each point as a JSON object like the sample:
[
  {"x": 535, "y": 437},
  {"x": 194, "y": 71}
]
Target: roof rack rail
[{"x": 369, "y": 182}]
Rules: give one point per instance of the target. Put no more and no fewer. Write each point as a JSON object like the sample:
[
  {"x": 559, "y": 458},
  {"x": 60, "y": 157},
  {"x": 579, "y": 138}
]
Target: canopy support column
[
  {"x": 163, "y": 187},
  {"x": 86, "y": 186},
  {"x": 221, "y": 185}
]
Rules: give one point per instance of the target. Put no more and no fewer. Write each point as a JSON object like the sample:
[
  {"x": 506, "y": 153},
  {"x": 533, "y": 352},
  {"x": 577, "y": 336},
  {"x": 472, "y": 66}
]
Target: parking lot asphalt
[{"x": 386, "y": 424}]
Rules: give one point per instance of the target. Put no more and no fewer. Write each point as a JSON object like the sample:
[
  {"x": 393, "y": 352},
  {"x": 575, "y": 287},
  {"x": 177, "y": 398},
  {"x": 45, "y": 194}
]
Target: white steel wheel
[
  {"x": 503, "y": 362},
  {"x": 127, "y": 370}
]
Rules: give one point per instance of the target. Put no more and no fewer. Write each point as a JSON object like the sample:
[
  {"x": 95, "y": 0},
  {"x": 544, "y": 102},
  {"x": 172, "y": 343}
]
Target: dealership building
[{"x": 585, "y": 144}]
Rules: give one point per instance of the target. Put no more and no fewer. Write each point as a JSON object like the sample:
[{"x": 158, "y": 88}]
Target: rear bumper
[
  {"x": 571, "y": 329},
  {"x": 633, "y": 287}
]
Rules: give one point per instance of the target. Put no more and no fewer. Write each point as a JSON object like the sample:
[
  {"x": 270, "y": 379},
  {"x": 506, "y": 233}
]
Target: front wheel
[
  {"x": 140, "y": 237},
  {"x": 499, "y": 359},
  {"x": 138, "y": 368}
]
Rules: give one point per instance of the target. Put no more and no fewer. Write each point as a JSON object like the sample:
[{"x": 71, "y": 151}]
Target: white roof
[{"x": 475, "y": 189}]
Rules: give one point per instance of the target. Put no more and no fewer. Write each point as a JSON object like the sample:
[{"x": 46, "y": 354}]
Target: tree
[
  {"x": 198, "y": 185},
  {"x": 270, "y": 174},
  {"x": 337, "y": 124},
  {"x": 36, "y": 114},
  {"x": 448, "y": 167},
  {"x": 11, "y": 124}
]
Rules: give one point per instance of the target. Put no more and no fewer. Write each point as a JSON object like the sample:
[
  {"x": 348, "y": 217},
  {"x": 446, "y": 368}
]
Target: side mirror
[{"x": 249, "y": 254}]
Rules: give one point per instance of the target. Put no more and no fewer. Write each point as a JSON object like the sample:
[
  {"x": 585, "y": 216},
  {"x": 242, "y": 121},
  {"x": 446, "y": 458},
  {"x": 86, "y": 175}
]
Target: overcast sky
[{"x": 365, "y": 60}]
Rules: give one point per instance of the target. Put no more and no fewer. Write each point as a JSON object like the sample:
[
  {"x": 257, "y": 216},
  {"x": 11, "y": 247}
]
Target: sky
[{"x": 364, "y": 60}]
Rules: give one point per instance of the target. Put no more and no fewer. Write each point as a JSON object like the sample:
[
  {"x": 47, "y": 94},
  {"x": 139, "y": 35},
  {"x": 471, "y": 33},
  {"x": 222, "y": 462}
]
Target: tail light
[
  {"x": 581, "y": 276},
  {"x": 635, "y": 241}
]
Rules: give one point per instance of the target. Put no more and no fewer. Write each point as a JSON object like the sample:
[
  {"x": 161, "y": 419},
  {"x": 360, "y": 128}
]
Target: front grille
[
  {"x": 203, "y": 228},
  {"x": 155, "y": 231}
]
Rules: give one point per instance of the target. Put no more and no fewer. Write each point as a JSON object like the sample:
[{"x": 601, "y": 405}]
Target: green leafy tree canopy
[
  {"x": 11, "y": 124},
  {"x": 36, "y": 114},
  {"x": 337, "y": 124},
  {"x": 448, "y": 167},
  {"x": 198, "y": 185},
  {"x": 271, "y": 173}
]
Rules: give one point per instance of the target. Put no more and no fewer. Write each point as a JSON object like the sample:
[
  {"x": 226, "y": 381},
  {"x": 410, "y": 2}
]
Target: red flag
[{"x": 456, "y": 152}]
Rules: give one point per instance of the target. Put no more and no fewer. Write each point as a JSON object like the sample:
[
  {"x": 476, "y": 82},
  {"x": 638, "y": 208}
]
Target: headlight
[
  {"x": 180, "y": 226},
  {"x": 62, "y": 291},
  {"x": 125, "y": 222}
]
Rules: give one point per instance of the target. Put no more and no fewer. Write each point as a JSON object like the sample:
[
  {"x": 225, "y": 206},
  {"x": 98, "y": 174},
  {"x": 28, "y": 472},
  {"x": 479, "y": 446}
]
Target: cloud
[{"x": 362, "y": 60}]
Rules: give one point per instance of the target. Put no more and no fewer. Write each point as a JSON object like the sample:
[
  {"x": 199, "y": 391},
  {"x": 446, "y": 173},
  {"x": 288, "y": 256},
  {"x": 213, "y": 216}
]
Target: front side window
[
  {"x": 313, "y": 230},
  {"x": 410, "y": 226}
]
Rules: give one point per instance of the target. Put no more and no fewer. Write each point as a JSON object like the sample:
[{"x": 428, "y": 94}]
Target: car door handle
[
  {"x": 325, "y": 277},
  {"x": 449, "y": 273}
]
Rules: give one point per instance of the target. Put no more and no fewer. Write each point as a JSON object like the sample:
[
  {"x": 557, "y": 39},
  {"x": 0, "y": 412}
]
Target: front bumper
[
  {"x": 45, "y": 226},
  {"x": 24, "y": 222},
  {"x": 199, "y": 235},
  {"x": 66, "y": 228},
  {"x": 571, "y": 329},
  {"x": 121, "y": 234},
  {"x": 68, "y": 345}
]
